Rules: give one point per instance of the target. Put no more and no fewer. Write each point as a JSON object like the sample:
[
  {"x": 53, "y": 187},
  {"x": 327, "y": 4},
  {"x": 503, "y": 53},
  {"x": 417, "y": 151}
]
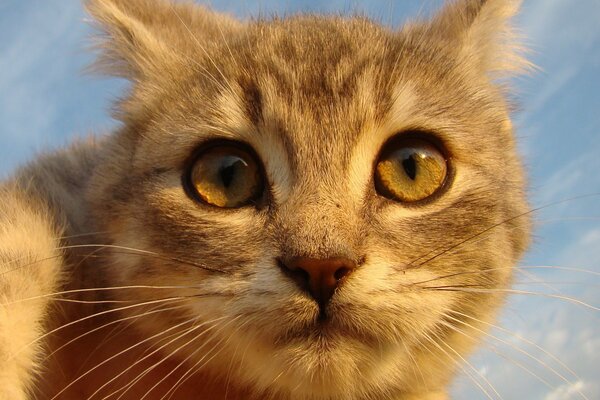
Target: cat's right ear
[{"x": 145, "y": 39}]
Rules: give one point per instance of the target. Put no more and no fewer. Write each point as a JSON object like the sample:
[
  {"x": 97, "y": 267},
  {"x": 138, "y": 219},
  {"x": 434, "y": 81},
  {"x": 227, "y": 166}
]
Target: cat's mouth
[{"x": 327, "y": 329}]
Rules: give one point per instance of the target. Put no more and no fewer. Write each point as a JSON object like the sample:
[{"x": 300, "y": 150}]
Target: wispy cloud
[
  {"x": 561, "y": 35},
  {"x": 570, "y": 178}
]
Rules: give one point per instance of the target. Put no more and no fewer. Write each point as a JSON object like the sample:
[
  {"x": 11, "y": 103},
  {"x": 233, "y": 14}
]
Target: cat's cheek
[
  {"x": 126, "y": 255},
  {"x": 384, "y": 301}
]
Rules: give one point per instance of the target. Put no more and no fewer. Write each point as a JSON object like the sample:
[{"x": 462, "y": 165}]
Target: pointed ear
[
  {"x": 482, "y": 32},
  {"x": 145, "y": 38}
]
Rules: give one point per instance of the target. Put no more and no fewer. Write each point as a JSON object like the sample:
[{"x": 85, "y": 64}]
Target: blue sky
[{"x": 45, "y": 101}]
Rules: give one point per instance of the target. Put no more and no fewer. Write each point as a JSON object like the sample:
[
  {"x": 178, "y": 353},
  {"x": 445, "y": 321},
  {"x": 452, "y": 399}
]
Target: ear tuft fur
[
  {"x": 484, "y": 34},
  {"x": 144, "y": 38}
]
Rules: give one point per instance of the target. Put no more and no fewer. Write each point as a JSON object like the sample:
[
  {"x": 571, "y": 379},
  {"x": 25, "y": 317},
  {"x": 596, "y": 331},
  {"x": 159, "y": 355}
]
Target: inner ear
[{"x": 145, "y": 38}]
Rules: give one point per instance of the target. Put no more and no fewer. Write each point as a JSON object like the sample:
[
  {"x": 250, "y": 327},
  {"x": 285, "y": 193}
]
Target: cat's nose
[{"x": 320, "y": 277}]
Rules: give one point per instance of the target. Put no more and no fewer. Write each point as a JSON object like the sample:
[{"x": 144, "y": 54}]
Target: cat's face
[{"x": 254, "y": 157}]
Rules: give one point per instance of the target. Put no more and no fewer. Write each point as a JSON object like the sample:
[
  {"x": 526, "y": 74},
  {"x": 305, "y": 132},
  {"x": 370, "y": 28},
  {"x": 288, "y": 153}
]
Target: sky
[{"x": 548, "y": 344}]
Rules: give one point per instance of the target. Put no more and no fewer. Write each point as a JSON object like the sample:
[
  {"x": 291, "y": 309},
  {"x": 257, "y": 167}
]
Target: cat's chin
[
  {"x": 320, "y": 359},
  {"x": 326, "y": 361}
]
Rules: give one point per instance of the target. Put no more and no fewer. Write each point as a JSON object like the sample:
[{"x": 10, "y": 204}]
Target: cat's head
[{"x": 335, "y": 199}]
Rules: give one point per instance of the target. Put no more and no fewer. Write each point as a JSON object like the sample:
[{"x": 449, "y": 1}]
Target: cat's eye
[
  {"x": 226, "y": 176},
  {"x": 410, "y": 169}
]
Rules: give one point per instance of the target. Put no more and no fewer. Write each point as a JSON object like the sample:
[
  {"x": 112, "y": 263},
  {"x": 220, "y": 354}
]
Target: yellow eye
[
  {"x": 226, "y": 176},
  {"x": 410, "y": 170}
]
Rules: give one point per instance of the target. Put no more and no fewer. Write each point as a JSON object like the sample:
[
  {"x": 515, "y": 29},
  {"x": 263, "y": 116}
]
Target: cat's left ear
[{"x": 482, "y": 33}]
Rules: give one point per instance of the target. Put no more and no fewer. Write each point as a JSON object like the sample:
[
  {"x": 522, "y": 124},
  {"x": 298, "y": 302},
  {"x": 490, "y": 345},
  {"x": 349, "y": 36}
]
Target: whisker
[
  {"x": 62, "y": 300},
  {"x": 152, "y": 367},
  {"x": 120, "y": 328},
  {"x": 191, "y": 320},
  {"x": 568, "y": 269},
  {"x": 41, "y": 260},
  {"x": 229, "y": 370},
  {"x": 130, "y": 250},
  {"x": 192, "y": 370},
  {"x": 113, "y": 323},
  {"x": 79, "y": 377},
  {"x": 100, "y": 289},
  {"x": 521, "y": 338},
  {"x": 472, "y": 368},
  {"x": 487, "y": 394},
  {"x": 459, "y": 288},
  {"x": 517, "y": 268},
  {"x": 93, "y": 316},
  {"x": 190, "y": 373},
  {"x": 527, "y": 354},
  {"x": 250, "y": 341},
  {"x": 145, "y": 252},
  {"x": 509, "y": 359},
  {"x": 414, "y": 365},
  {"x": 78, "y": 235},
  {"x": 548, "y": 284},
  {"x": 491, "y": 227}
]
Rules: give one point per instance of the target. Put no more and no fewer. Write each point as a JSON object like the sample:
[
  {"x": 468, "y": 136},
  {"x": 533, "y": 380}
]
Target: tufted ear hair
[
  {"x": 481, "y": 31},
  {"x": 147, "y": 38}
]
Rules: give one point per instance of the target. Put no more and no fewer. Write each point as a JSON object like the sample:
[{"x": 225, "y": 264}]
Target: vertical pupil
[
  {"x": 410, "y": 167},
  {"x": 228, "y": 169}
]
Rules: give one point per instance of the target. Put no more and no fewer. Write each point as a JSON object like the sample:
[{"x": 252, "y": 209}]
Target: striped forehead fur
[{"x": 316, "y": 98}]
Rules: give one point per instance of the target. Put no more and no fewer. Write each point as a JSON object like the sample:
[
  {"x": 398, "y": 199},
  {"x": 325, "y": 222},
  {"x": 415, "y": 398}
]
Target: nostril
[
  {"x": 301, "y": 277},
  {"x": 341, "y": 272},
  {"x": 302, "y": 274},
  {"x": 298, "y": 275}
]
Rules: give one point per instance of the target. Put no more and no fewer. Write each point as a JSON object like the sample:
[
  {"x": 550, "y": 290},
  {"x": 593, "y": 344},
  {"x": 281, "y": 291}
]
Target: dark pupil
[
  {"x": 410, "y": 167},
  {"x": 229, "y": 168}
]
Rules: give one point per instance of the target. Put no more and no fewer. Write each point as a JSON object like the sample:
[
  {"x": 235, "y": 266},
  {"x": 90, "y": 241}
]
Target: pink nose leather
[{"x": 320, "y": 276}]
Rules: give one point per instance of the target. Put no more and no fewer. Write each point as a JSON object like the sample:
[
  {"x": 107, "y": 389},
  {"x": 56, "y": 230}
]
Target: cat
[{"x": 293, "y": 208}]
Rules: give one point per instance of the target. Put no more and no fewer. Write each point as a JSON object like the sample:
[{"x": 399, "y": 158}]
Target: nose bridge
[{"x": 320, "y": 223}]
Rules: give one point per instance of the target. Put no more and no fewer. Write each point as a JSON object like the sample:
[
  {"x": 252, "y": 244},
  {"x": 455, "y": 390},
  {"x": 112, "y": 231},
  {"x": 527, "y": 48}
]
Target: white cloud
[{"x": 570, "y": 391}]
